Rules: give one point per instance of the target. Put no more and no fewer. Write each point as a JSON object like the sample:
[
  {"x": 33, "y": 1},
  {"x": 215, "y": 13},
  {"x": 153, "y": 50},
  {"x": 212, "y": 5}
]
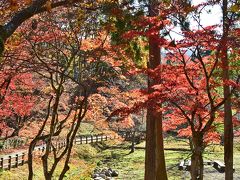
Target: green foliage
[
  {"x": 86, "y": 152},
  {"x": 139, "y": 52},
  {"x": 87, "y": 129},
  {"x": 14, "y": 142},
  {"x": 7, "y": 175}
]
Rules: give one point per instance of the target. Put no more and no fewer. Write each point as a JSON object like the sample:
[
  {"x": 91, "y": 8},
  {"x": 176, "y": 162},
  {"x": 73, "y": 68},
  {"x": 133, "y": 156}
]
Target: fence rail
[{"x": 18, "y": 159}]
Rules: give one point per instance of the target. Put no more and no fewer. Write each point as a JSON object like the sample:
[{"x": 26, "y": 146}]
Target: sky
[{"x": 210, "y": 16}]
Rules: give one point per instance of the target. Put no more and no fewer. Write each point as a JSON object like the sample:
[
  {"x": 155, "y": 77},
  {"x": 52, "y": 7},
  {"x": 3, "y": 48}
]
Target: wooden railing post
[
  {"x": 16, "y": 163},
  {"x": 20, "y": 159},
  {"x": 23, "y": 157},
  {"x": 43, "y": 148},
  {"x": 1, "y": 163},
  {"x": 9, "y": 162},
  {"x": 39, "y": 151}
]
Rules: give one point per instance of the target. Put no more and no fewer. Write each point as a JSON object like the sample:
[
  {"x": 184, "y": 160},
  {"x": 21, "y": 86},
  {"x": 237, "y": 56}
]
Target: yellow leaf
[
  {"x": 13, "y": 5},
  {"x": 234, "y": 8},
  {"x": 48, "y": 6},
  {"x": 28, "y": 1}
]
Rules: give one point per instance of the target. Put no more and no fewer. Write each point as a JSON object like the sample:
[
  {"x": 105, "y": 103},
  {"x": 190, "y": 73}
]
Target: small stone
[
  {"x": 108, "y": 173},
  {"x": 109, "y": 169},
  {"x": 98, "y": 178},
  {"x": 94, "y": 175},
  {"x": 102, "y": 176},
  {"x": 114, "y": 174}
]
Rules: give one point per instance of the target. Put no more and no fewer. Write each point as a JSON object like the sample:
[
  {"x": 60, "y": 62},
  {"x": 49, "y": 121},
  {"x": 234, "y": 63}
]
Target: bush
[
  {"x": 14, "y": 142},
  {"x": 86, "y": 151},
  {"x": 115, "y": 155}
]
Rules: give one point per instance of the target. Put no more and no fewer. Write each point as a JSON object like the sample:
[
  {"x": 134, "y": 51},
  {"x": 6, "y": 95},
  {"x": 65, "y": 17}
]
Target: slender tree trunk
[
  {"x": 155, "y": 168},
  {"x": 133, "y": 142},
  {"x": 228, "y": 125},
  {"x": 30, "y": 160},
  {"x": 197, "y": 159}
]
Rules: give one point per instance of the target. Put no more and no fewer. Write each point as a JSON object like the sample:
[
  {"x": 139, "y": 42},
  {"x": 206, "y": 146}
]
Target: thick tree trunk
[
  {"x": 155, "y": 168},
  {"x": 196, "y": 158},
  {"x": 161, "y": 173},
  {"x": 197, "y": 166},
  {"x": 150, "y": 147},
  {"x": 228, "y": 125}
]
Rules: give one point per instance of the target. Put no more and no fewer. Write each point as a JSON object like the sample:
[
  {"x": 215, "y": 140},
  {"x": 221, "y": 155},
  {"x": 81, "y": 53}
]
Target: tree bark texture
[
  {"x": 155, "y": 168},
  {"x": 196, "y": 158},
  {"x": 228, "y": 125}
]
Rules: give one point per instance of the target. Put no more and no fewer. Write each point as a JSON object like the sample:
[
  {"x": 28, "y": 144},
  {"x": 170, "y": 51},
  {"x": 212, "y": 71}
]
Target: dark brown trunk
[
  {"x": 33, "y": 144},
  {"x": 150, "y": 148},
  {"x": 133, "y": 142},
  {"x": 30, "y": 160},
  {"x": 197, "y": 166},
  {"x": 228, "y": 125},
  {"x": 161, "y": 173},
  {"x": 196, "y": 158},
  {"x": 155, "y": 168}
]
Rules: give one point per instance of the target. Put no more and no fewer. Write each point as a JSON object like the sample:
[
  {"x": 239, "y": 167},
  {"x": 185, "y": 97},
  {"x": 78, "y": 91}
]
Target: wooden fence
[{"x": 18, "y": 159}]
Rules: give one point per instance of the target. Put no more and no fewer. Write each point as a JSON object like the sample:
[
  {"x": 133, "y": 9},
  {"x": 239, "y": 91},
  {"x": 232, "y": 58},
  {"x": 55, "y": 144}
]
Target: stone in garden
[
  {"x": 102, "y": 176},
  {"x": 109, "y": 169},
  {"x": 104, "y": 169},
  {"x": 95, "y": 176},
  {"x": 99, "y": 178},
  {"x": 114, "y": 174},
  {"x": 108, "y": 173},
  {"x": 109, "y": 178}
]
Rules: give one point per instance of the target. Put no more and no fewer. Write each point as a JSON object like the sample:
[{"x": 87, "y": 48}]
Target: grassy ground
[{"x": 86, "y": 158}]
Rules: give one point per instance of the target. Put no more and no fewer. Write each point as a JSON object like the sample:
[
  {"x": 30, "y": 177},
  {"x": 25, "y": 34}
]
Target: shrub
[{"x": 86, "y": 151}]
